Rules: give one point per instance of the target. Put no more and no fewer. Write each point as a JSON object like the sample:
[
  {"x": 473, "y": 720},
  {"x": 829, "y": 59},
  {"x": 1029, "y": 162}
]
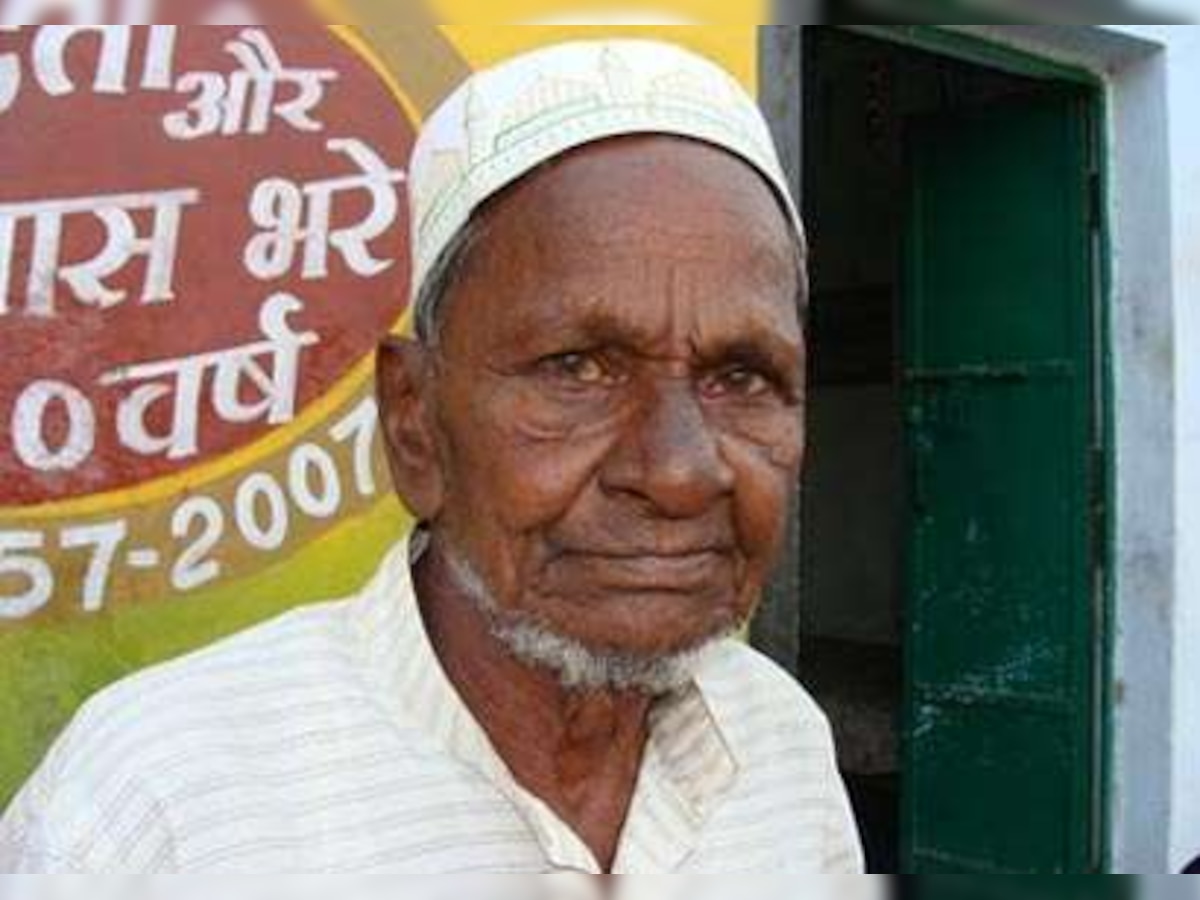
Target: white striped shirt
[{"x": 331, "y": 741}]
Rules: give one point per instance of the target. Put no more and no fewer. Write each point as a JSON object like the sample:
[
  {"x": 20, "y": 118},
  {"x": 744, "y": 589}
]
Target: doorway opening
[{"x": 925, "y": 663}]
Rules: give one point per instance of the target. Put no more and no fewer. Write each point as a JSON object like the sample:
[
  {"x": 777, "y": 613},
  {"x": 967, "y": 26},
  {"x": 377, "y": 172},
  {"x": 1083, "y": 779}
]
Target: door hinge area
[
  {"x": 1095, "y": 200},
  {"x": 1098, "y": 507}
]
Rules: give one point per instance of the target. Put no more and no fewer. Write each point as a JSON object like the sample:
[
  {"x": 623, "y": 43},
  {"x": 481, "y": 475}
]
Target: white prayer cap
[{"x": 504, "y": 122}]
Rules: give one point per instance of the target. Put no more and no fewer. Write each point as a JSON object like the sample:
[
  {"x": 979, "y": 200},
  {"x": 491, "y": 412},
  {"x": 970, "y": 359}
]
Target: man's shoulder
[
  {"x": 289, "y": 649},
  {"x": 223, "y": 697},
  {"x": 759, "y": 700},
  {"x": 202, "y": 719}
]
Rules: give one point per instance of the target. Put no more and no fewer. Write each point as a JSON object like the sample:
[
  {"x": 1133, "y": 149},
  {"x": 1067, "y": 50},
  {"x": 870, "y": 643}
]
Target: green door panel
[
  {"x": 1002, "y": 721},
  {"x": 1002, "y": 782},
  {"x": 994, "y": 543}
]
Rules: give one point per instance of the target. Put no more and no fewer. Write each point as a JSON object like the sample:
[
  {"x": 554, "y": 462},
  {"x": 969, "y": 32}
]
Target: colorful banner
[{"x": 203, "y": 236}]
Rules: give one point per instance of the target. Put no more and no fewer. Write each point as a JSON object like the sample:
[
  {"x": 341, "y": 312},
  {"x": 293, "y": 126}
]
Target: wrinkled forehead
[
  {"x": 624, "y": 220},
  {"x": 635, "y": 241}
]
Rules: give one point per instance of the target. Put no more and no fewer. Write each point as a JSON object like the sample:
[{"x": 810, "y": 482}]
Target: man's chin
[
  {"x": 580, "y": 666},
  {"x": 577, "y": 643}
]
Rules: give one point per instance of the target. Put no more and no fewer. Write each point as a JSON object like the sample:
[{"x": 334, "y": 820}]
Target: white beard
[{"x": 578, "y": 666}]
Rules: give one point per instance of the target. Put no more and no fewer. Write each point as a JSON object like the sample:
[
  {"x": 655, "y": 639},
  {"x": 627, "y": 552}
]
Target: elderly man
[{"x": 598, "y": 426}]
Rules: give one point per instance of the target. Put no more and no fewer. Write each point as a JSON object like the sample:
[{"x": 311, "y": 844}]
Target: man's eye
[
  {"x": 582, "y": 368},
  {"x": 738, "y": 381}
]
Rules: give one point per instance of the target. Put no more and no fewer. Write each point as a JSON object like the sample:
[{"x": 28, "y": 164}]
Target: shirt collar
[{"x": 689, "y": 763}]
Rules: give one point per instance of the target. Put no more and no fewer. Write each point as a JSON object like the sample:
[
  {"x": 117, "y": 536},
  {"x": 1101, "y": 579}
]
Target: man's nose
[{"x": 670, "y": 455}]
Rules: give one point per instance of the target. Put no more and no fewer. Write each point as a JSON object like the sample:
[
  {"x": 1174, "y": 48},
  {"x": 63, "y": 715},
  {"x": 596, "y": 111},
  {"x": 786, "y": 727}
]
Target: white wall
[{"x": 1182, "y": 64}]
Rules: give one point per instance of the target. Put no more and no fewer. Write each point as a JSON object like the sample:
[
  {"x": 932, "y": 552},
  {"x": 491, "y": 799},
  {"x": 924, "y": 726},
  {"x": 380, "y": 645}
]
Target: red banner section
[{"x": 202, "y": 231}]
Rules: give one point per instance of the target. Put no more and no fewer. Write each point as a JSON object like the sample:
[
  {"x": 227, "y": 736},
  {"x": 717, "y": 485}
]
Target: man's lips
[{"x": 677, "y": 570}]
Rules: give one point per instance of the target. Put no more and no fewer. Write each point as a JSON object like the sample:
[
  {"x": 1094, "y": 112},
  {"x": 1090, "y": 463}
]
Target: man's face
[{"x": 618, "y": 395}]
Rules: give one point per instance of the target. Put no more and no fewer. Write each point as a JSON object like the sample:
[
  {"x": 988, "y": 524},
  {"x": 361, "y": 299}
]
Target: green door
[{"x": 1004, "y": 599}]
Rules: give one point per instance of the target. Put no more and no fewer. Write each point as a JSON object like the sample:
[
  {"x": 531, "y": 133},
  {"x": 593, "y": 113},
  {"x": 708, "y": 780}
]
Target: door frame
[{"x": 781, "y": 58}]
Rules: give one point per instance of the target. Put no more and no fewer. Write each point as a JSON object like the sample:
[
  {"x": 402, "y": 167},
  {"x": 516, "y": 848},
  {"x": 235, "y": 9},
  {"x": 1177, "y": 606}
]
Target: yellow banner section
[
  {"x": 733, "y": 44},
  {"x": 682, "y": 12},
  {"x": 431, "y": 49}
]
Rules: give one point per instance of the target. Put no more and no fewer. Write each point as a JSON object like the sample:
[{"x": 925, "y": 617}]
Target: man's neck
[{"x": 580, "y": 752}]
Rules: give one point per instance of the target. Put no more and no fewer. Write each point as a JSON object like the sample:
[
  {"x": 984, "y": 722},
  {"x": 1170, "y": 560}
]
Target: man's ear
[{"x": 403, "y": 371}]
